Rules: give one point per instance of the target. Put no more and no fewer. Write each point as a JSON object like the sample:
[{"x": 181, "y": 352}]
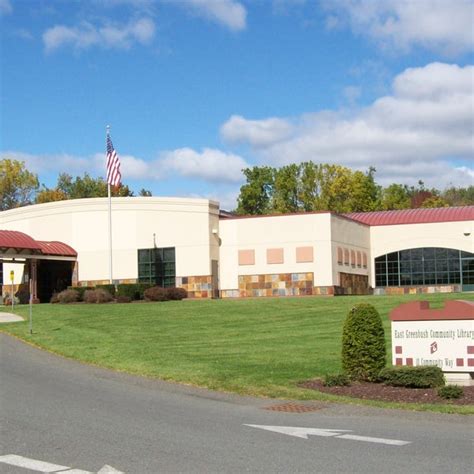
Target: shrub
[
  {"x": 135, "y": 291},
  {"x": 336, "y": 380},
  {"x": 450, "y": 392},
  {"x": 68, "y": 296},
  {"x": 413, "y": 377},
  {"x": 124, "y": 299},
  {"x": 97, "y": 296},
  {"x": 109, "y": 288},
  {"x": 363, "y": 343},
  {"x": 80, "y": 290},
  {"x": 176, "y": 293},
  {"x": 156, "y": 293},
  {"x": 54, "y": 298}
]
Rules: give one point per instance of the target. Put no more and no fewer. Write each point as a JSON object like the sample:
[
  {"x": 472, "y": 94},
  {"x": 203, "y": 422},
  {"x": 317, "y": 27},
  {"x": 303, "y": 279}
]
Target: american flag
[{"x": 113, "y": 165}]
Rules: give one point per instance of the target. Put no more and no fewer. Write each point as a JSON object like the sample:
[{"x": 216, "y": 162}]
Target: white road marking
[
  {"x": 33, "y": 464},
  {"x": 300, "y": 432},
  {"x": 109, "y": 470},
  {"x": 368, "y": 439},
  {"x": 304, "y": 432},
  {"x": 42, "y": 466},
  {"x": 74, "y": 471}
]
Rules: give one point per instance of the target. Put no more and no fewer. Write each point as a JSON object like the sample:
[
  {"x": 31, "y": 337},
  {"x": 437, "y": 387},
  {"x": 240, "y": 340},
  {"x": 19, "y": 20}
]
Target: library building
[{"x": 192, "y": 244}]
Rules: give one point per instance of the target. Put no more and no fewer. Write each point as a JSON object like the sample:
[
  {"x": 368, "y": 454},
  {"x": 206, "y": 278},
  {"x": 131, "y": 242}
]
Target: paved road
[{"x": 62, "y": 412}]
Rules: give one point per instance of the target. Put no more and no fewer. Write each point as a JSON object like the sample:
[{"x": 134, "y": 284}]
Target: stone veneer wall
[
  {"x": 277, "y": 284},
  {"x": 93, "y": 283},
  {"x": 196, "y": 286},
  {"x": 414, "y": 290},
  {"x": 354, "y": 284}
]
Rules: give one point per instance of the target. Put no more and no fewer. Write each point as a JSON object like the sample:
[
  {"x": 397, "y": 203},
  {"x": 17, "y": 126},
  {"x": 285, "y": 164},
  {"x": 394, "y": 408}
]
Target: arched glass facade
[{"x": 425, "y": 266}]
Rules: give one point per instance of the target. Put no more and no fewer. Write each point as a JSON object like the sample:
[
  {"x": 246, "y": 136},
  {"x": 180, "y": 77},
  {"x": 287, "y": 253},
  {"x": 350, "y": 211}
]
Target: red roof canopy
[
  {"x": 17, "y": 243},
  {"x": 414, "y": 216},
  {"x": 56, "y": 248},
  {"x": 11, "y": 239}
]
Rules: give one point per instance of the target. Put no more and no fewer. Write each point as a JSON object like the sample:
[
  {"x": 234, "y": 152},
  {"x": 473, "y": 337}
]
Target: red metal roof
[
  {"x": 11, "y": 239},
  {"x": 56, "y": 248},
  {"x": 414, "y": 216},
  {"x": 20, "y": 243}
]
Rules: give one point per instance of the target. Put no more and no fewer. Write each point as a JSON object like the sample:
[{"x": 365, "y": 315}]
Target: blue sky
[{"x": 195, "y": 90}]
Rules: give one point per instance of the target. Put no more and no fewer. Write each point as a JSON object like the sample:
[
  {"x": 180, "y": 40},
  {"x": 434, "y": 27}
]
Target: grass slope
[{"x": 250, "y": 346}]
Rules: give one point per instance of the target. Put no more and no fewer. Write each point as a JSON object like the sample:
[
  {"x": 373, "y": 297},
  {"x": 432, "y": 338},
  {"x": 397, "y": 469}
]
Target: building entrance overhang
[{"x": 18, "y": 247}]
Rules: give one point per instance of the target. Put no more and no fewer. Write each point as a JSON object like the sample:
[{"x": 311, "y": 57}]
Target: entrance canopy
[{"x": 17, "y": 244}]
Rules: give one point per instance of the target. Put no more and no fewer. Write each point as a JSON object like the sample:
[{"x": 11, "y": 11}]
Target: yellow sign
[{"x": 12, "y": 275}]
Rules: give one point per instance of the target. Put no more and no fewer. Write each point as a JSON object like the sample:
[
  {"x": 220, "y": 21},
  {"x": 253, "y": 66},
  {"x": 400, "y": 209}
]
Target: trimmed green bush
[
  {"x": 68, "y": 296},
  {"x": 135, "y": 291},
  {"x": 109, "y": 288},
  {"x": 363, "y": 343},
  {"x": 336, "y": 380},
  {"x": 450, "y": 392},
  {"x": 413, "y": 377},
  {"x": 156, "y": 293}
]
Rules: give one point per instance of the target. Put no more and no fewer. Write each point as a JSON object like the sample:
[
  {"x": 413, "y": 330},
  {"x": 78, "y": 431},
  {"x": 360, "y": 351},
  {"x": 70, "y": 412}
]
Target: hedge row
[
  {"x": 124, "y": 293},
  {"x": 413, "y": 377}
]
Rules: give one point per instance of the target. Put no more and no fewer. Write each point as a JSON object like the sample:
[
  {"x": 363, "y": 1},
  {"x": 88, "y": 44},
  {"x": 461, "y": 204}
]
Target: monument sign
[{"x": 442, "y": 337}]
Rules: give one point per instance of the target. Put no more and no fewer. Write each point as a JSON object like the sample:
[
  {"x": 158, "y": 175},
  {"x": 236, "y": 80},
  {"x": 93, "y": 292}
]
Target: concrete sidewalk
[{"x": 10, "y": 318}]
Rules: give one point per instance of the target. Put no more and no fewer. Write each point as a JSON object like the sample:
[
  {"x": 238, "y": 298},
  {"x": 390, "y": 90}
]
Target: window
[
  {"x": 425, "y": 266},
  {"x": 346, "y": 257},
  {"x": 157, "y": 266}
]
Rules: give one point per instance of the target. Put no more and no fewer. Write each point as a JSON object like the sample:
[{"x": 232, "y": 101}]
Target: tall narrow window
[{"x": 157, "y": 266}]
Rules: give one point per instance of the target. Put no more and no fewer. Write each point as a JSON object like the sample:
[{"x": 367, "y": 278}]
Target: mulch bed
[{"x": 379, "y": 391}]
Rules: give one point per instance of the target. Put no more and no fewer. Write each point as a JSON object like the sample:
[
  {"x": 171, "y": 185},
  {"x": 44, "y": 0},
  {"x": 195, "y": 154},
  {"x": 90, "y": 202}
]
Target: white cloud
[
  {"x": 417, "y": 132},
  {"x": 352, "y": 93},
  {"x": 210, "y": 164},
  {"x": 440, "y": 25},
  {"x": 107, "y": 36},
  {"x": 59, "y": 163},
  {"x": 5, "y": 7},
  {"x": 256, "y": 132},
  {"x": 229, "y": 13}
]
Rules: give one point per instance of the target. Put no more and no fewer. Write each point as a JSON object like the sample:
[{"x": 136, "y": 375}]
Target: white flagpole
[{"x": 109, "y": 194}]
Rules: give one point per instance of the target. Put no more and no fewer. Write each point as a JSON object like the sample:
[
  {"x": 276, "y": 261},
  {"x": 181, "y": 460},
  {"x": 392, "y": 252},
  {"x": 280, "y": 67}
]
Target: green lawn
[{"x": 252, "y": 346}]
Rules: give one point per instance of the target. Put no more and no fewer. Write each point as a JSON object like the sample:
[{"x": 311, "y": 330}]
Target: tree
[
  {"x": 459, "y": 196},
  {"x": 434, "y": 201},
  {"x": 50, "y": 195},
  {"x": 17, "y": 185},
  {"x": 256, "y": 195},
  {"x": 285, "y": 192},
  {"x": 145, "y": 192},
  {"x": 80, "y": 187},
  {"x": 395, "y": 196}
]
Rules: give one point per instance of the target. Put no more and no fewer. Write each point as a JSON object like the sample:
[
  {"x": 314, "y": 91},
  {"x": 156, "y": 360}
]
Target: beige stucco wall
[
  {"x": 391, "y": 238},
  {"x": 352, "y": 236},
  {"x": 287, "y": 232},
  {"x": 185, "y": 224}
]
